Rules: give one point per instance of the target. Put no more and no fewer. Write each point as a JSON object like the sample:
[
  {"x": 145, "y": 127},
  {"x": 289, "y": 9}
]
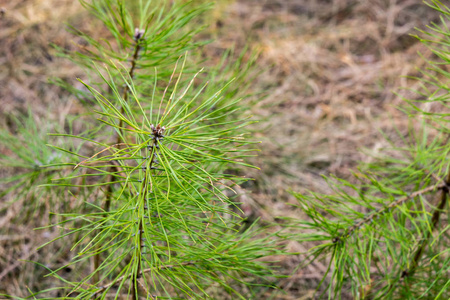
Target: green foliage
[
  {"x": 384, "y": 234},
  {"x": 28, "y": 164},
  {"x": 157, "y": 169}
]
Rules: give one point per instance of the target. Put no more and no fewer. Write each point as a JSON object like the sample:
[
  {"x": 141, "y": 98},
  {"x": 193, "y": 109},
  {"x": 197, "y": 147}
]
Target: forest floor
[{"x": 328, "y": 80}]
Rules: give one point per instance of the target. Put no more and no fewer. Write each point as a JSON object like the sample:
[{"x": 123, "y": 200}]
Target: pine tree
[{"x": 155, "y": 172}]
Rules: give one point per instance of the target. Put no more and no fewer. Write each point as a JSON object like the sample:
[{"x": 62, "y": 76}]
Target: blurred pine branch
[{"x": 387, "y": 236}]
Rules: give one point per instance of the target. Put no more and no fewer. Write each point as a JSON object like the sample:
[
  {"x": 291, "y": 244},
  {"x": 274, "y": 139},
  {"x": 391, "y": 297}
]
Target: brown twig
[
  {"x": 138, "y": 36},
  {"x": 383, "y": 210}
]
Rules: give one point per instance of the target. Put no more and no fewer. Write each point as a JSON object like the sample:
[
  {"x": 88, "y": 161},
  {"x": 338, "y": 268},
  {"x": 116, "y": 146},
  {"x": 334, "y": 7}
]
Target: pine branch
[
  {"x": 183, "y": 179},
  {"x": 383, "y": 210}
]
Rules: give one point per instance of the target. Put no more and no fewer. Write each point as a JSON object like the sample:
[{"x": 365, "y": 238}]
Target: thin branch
[
  {"x": 145, "y": 289},
  {"x": 138, "y": 36},
  {"x": 368, "y": 219}
]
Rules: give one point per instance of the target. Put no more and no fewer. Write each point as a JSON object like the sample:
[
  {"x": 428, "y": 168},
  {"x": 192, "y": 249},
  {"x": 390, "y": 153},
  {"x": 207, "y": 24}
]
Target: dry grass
[{"x": 329, "y": 69}]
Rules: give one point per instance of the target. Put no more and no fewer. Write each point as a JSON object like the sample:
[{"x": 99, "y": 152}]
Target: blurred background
[{"x": 323, "y": 88}]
